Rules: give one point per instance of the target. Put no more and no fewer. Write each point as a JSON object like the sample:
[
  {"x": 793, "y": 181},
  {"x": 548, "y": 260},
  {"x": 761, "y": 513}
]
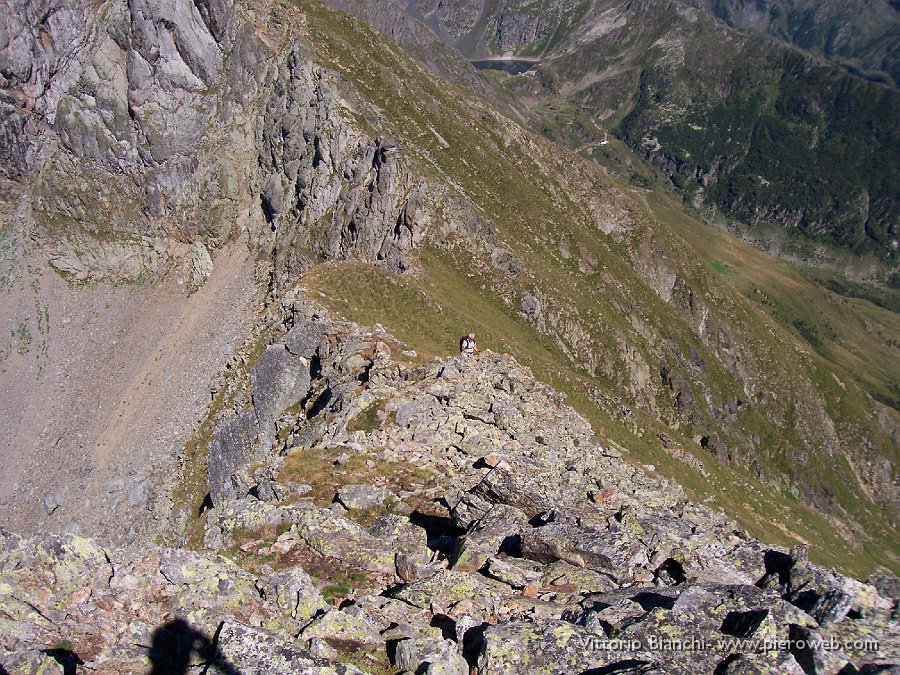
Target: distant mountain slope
[
  {"x": 864, "y": 35},
  {"x": 391, "y": 18},
  {"x": 737, "y": 121}
]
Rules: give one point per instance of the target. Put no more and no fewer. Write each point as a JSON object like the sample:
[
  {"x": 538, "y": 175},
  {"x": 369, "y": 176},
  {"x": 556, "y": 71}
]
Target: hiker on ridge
[{"x": 467, "y": 344}]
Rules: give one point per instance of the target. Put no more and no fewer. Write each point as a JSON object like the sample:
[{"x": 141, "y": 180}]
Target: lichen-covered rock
[
  {"x": 278, "y": 380},
  {"x": 500, "y": 525},
  {"x": 336, "y": 537},
  {"x": 30, "y": 662},
  {"x": 445, "y": 588},
  {"x": 337, "y": 625},
  {"x": 761, "y": 664},
  {"x": 510, "y": 573},
  {"x": 231, "y": 448},
  {"x": 205, "y": 589},
  {"x": 363, "y": 496},
  {"x": 695, "y": 627},
  {"x": 294, "y": 591},
  {"x": 200, "y": 266},
  {"x": 615, "y": 553},
  {"x": 395, "y": 618},
  {"x": 246, "y": 649},
  {"x": 557, "y": 648},
  {"x": 548, "y": 555},
  {"x": 429, "y": 655},
  {"x": 133, "y": 610}
]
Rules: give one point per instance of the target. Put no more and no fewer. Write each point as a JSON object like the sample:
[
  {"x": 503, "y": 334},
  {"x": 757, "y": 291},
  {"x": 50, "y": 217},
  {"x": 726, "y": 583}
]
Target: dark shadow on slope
[
  {"x": 743, "y": 624},
  {"x": 778, "y": 566},
  {"x": 321, "y": 402},
  {"x": 177, "y": 644},
  {"x": 649, "y": 600},
  {"x": 68, "y": 659},
  {"x": 723, "y": 665},
  {"x": 205, "y": 505},
  {"x": 628, "y": 666},
  {"x": 442, "y": 533}
]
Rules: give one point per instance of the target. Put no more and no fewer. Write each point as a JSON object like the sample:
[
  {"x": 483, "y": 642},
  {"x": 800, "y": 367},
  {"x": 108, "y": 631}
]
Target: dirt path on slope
[{"x": 108, "y": 389}]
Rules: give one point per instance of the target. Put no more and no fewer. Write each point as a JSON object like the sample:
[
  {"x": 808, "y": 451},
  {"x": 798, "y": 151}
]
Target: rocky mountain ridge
[
  {"x": 450, "y": 517},
  {"x": 161, "y": 133},
  {"x": 318, "y": 139}
]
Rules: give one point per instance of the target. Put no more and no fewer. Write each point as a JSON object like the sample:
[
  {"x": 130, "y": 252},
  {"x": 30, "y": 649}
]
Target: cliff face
[{"x": 136, "y": 126}]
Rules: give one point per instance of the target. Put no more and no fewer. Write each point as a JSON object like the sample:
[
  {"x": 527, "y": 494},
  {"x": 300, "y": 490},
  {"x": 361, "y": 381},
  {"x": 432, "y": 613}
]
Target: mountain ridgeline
[
  {"x": 736, "y": 119},
  {"x": 860, "y": 35}
]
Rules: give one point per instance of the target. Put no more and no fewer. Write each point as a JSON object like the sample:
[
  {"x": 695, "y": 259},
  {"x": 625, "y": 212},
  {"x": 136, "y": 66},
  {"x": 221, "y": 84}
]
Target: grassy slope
[
  {"x": 427, "y": 311},
  {"x": 536, "y": 199},
  {"x": 853, "y": 334}
]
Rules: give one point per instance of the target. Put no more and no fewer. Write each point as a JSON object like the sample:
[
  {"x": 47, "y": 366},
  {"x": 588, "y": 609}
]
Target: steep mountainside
[
  {"x": 346, "y": 501},
  {"x": 346, "y": 149},
  {"x": 736, "y": 120},
  {"x": 863, "y": 35}
]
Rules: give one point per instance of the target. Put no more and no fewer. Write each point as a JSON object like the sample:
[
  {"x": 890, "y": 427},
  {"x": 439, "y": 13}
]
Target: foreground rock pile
[{"x": 369, "y": 514}]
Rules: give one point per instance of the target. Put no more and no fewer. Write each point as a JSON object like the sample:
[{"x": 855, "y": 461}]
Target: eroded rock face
[{"x": 138, "y": 125}]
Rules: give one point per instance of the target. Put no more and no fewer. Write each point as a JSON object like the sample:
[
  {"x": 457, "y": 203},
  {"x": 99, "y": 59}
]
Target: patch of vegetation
[
  {"x": 340, "y": 585},
  {"x": 317, "y": 468},
  {"x": 367, "y": 658},
  {"x": 814, "y": 117},
  {"x": 851, "y": 332},
  {"x": 885, "y": 297},
  {"x": 722, "y": 267},
  {"x": 808, "y": 332},
  {"x": 368, "y": 420},
  {"x": 23, "y": 338}
]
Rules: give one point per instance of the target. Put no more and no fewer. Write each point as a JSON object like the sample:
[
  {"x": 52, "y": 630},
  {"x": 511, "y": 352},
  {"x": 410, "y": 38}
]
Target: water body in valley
[{"x": 511, "y": 66}]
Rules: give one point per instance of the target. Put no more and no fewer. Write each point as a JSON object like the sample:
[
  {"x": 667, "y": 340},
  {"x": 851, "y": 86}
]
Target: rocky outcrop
[
  {"x": 545, "y": 552},
  {"x": 67, "y": 603},
  {"x": 136, "y": 126},
  {"x": 472, "y": 520},
  {"x": 480, "y": 29}
]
